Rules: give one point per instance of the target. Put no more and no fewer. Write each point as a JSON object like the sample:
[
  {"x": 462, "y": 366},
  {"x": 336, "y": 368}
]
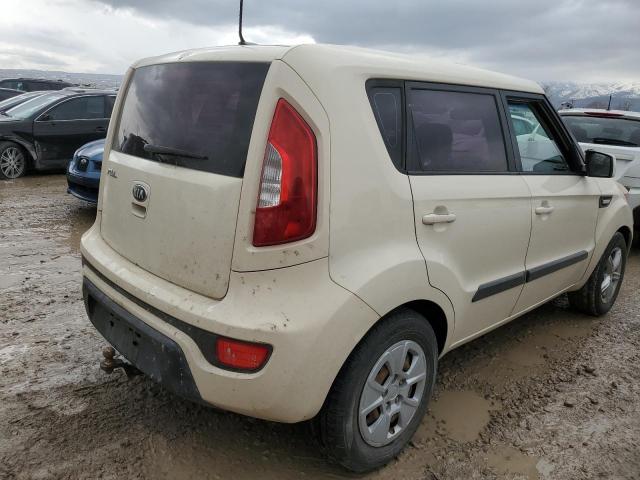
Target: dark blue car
[{"x": 83, "y": 173}]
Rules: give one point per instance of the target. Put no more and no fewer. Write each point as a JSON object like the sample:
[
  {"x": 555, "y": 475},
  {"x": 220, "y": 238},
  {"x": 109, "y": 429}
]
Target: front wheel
[
  {"x": 381, "y": 393},
  {"x": 13, "y": 161},
  {"x": 599, "y": 294}
]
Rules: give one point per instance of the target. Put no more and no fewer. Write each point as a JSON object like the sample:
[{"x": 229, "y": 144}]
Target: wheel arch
[
  {"x": 26, "y": 146},
  {"x": 626, "y": 233},
  {"x": 433, "y": 313}
]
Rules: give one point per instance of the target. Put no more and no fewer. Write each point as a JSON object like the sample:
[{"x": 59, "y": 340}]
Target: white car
[
  {"x": 298, "y": 233},
  {"x": 617, "y": 133}
]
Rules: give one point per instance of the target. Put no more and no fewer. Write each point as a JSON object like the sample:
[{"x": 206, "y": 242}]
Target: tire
[
  {"x": 592, "y": 298},
  {"x": 409, "y": 336},
  {"x": 13, "y": 161}
]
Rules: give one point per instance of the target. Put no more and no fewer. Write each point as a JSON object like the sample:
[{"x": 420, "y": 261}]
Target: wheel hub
[
  {"x": 12, "y": 162},
  {"x": 392, "y": 393},
  {"x": 612, "y": 275}
]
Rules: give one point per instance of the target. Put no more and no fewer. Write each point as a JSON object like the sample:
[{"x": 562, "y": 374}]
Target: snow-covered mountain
[{"x": 625, "y": 95}]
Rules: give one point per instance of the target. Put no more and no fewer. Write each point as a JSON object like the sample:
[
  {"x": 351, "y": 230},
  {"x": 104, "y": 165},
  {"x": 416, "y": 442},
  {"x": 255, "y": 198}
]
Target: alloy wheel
[
  {"x": 612, "y": 274},
  {"x": 12, "y": 162}
]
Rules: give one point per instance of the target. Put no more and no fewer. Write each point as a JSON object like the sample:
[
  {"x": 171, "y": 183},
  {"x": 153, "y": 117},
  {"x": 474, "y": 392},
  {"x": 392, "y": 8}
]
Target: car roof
[
  {"x": 600, "y": 111},
  {"x": 377, "y": 63}
]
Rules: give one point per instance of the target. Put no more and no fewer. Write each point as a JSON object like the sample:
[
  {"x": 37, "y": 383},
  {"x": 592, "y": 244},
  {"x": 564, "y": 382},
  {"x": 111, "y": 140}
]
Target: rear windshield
[
  {"x": 194, "y": 115},
  {"x": 604, "y": 130}
]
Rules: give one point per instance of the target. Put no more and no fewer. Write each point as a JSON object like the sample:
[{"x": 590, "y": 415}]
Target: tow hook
[{"x": 109, "y": 363}]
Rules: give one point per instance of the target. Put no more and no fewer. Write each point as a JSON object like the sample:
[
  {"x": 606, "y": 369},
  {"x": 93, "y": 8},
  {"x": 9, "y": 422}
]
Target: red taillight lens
[
  {"x": 286, "y": 209},
  {"x": 241, "y": 355}
]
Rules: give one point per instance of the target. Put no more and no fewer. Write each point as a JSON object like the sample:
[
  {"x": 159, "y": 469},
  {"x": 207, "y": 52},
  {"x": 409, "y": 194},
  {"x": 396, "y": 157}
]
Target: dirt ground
[{"x": 553, "y": 395}]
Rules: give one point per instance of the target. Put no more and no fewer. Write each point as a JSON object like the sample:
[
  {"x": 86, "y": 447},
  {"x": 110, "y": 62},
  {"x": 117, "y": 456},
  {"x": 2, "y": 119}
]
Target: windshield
[
  {"x": 28, "y": 108},
  {"x": 13, "y": 101},
  {"x": 604, "y": 130}
]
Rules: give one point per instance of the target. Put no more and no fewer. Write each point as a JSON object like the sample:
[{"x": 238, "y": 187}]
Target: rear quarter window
[
  {"x": 206, "y": 109},
  {"x": 387, "y": 105}
]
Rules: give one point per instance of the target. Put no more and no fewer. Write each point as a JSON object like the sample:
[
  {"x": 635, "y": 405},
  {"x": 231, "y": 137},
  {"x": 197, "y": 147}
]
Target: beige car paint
[
  {"x": 488, "y": 240},
  {"x": 569, "y": 227},
  {"x": 314, "y": 300}
]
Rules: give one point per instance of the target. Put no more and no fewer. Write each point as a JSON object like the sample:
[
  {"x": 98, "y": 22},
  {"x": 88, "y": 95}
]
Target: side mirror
[
  {"x": 599, "y": 164},
  {"x": 45, "y": 118}
]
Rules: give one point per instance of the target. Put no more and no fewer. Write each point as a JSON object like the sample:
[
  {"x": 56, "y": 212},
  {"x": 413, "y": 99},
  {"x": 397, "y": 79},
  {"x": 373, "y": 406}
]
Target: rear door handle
[
  {"x": 101, "y": 129},
  {"x": 544, "y": 210},
  {"x": 433, "y": 218}
]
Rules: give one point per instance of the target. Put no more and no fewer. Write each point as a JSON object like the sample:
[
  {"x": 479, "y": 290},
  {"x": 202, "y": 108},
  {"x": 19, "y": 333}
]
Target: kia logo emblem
[{"x": 140, "y": 192}]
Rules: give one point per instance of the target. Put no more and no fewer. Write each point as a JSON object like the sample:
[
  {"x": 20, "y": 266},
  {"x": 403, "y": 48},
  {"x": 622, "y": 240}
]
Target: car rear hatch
[{"x": 172, "y": 179}]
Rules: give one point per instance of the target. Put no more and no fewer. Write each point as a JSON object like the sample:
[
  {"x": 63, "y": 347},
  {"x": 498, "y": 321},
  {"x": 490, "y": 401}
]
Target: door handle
[
  {"x": 433, "y": 218},
  {"x": 101, "y": 129},
  {"x": 544, "y": 210}
]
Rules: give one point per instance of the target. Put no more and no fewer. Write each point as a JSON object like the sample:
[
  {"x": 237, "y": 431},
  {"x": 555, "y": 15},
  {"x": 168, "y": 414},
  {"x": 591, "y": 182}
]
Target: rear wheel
[
  {"x": 381, "y": 394},
  {"x": 599, "y": 294},
  {"x": 13, "y": 161}
]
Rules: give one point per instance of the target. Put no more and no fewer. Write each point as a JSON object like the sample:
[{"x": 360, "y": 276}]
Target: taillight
[
  {"x": 286, "y": 209},
  {"x": 240, "y": 355}
]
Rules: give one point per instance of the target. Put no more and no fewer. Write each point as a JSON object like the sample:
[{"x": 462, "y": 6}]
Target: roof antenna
[{"x": 242, "y": 40}]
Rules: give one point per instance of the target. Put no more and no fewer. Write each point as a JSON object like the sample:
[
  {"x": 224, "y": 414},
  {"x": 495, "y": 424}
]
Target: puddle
[
  {"x": 509, "y": 461},
  {"x": 458, "y": 415}
]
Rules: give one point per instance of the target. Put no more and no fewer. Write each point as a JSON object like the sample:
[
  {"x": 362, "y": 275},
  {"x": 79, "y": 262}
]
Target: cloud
[
  {"x": 542, "y": 39},
  {"x": 584, "y": 40}
]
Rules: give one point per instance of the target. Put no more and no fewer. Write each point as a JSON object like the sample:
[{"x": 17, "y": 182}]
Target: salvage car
[
  {"x": 9, "y": 103},
  {"x": 6, "y": 93},
  {"x": 298, "y": 233},
  {"x": 83, "y": 172},
  {"x": 42, "y": 133},
  {"x": 33, "y": 84},
  {"x": 617, "y": 133}
]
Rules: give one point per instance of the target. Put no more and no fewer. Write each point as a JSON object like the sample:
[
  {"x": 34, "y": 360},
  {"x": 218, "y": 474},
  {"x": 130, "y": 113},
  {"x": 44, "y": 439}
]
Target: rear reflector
[
  {"x": 240, "y": 355},
  {"x": 286, "y": 209}
]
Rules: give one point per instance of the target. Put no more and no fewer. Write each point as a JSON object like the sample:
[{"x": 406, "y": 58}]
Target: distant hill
[
  {"x": 625, "y": 95},
  {"x": 97, "y": 80}
]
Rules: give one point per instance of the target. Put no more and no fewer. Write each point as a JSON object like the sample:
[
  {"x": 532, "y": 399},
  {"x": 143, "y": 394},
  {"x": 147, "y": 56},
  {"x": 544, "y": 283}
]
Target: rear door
[
  {"x": 64, "y": 128},
  {"x": 472, "y": 212},
  {"x": 565, "y": 202},
  {"x": 170, "y": 200}
]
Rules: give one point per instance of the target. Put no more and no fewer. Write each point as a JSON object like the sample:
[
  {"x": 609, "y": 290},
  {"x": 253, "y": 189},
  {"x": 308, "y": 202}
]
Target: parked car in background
[
  {"x": 17, "y": 100},
  {"x": 83, "y": 172},
  {"x": 300, "y": 232},
  {"x": 44, "y": 132},
  {"x": 617, "y": 133},
  {"x": 33, "y": 84},
  {"x": 8, "y": 93}
]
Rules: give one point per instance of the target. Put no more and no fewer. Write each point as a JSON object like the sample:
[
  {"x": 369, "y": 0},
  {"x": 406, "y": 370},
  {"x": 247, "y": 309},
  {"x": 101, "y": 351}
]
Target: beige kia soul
[{"x": 302, "y": 232}]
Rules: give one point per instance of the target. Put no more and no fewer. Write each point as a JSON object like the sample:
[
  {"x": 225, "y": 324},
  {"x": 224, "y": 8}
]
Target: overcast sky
[{"x": 579, "y": 40}]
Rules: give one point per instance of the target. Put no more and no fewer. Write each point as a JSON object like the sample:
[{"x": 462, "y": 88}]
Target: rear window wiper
[
  {"x": 174, "y": 152},
  {"x": 613, "y": 141}
]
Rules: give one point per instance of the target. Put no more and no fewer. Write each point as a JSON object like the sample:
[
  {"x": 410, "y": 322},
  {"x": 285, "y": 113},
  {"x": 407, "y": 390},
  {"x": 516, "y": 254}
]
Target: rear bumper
[
  {"x": 155, "y": 354},
  {"x": 312, "y": 324}
]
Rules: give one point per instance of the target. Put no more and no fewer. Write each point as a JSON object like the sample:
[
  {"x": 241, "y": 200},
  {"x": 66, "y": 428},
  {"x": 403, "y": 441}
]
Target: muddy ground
[{"x": 553, "y": 395}]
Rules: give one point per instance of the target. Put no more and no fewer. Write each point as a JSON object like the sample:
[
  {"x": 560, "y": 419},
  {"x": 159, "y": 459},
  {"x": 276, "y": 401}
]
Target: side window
[
  {"x": 458, "y": 132},
  {"x": 539, "y": 152},
  {"x": 386, "y": 103},
  {"x": 82, "y": 108},
  {"x": 110, "y": 100}
]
